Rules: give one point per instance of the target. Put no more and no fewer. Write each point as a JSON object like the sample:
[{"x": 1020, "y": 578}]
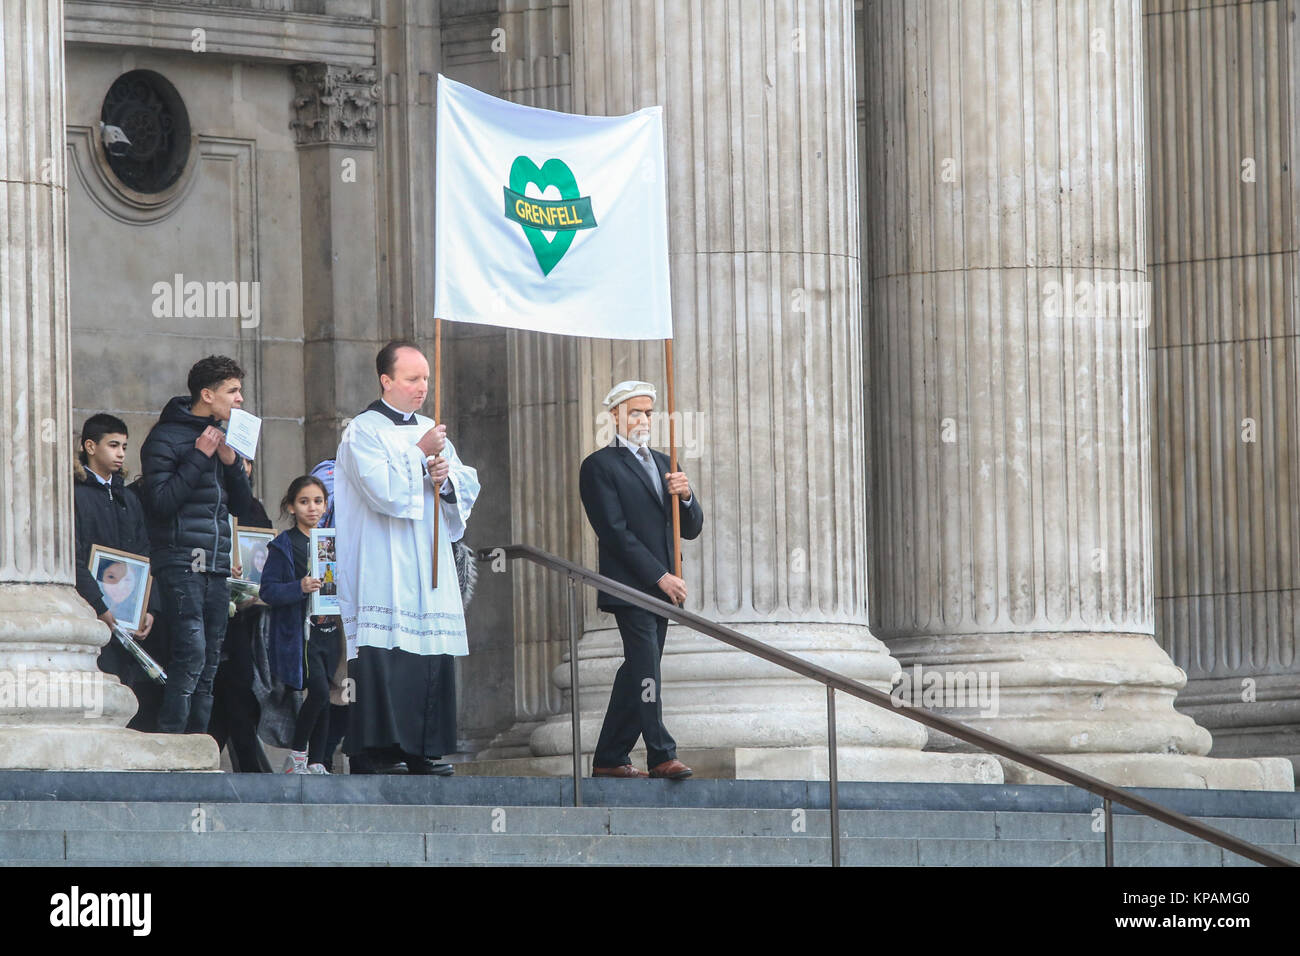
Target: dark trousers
[
  {"x": 197, "y": 607},
  {"x": 635, "y": 707},
  {"x": 311, "y": 731},
  {"x": 338, "y": 719},
  {"x": 235, "y": 710}
]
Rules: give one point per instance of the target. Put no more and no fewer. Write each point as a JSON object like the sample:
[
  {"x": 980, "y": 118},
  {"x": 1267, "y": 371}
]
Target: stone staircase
[{"x": 87, "y": 819}]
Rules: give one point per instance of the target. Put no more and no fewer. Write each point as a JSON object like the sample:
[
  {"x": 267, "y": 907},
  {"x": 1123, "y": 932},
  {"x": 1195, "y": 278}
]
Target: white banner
[{"x": 553, "y": 222}]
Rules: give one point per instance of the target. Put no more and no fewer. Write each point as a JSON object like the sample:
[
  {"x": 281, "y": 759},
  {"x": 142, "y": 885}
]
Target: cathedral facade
[{"x": 986, "y": 324}]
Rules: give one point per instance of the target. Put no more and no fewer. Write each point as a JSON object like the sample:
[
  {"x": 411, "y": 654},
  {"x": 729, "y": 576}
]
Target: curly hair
[{"x": 211, "y": 372}]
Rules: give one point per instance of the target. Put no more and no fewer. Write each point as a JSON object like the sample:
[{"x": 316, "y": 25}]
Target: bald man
[{"x": 627, "y": 492}]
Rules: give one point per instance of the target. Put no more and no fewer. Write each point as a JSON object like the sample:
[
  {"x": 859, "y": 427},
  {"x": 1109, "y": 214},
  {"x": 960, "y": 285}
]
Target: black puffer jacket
[
  {"x": 108, "y": 515},
  {"x": 188, "y": 496}
]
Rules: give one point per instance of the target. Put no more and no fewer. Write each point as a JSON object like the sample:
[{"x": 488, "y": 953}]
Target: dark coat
[
  {"x": 241, "y": 628},
  {"x": 281, "y": 588},
  {"x": 189, "y": 496},
  {"x": 633, "y": 526},
  {"x": 256, "y": 516},
  {"x": 108, "y": 515}
]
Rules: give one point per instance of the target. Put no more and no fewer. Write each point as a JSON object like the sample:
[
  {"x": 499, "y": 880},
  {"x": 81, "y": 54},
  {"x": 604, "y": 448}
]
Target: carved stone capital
[{"x": 335, "y": 105}]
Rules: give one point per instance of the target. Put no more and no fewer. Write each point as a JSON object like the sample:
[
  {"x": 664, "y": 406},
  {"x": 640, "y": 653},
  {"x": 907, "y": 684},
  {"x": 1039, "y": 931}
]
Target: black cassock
[{"x": 402, "y": 701}]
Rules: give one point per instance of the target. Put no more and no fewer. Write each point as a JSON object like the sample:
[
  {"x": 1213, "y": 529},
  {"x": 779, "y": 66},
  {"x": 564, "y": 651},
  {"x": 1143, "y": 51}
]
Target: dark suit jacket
[{"x": 634, "y": 528}]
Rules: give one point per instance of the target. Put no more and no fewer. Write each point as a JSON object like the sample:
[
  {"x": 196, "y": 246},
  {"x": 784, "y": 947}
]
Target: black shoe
[
  {"x": 427, "y": 766},
  {"x": 365, "y": 763}
]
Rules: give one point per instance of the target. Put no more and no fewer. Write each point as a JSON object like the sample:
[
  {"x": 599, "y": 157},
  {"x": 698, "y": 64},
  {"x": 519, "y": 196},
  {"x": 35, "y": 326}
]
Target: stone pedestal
[
  {"x": 763, "y": 237},
  {"x": 57, "y": 711},
  {"x": 1008, "y": 335}
]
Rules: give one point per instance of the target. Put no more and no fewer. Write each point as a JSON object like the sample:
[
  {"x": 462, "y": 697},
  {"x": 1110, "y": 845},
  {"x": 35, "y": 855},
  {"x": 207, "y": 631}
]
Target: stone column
[
  {"x": 57, "y": 710},
  {"x": 1012, "y": 484},
  {"x": 762, "y": 165},
  {"x": 543, "y": 410},
  {"x": 1221, "y": 87},
  {"x": 334, "y": 123},
  {"x": 409, "y": 58}
]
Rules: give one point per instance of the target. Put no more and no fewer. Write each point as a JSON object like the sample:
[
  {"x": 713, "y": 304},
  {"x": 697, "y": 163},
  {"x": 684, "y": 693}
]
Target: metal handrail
[{"x": 833, "y": 682}]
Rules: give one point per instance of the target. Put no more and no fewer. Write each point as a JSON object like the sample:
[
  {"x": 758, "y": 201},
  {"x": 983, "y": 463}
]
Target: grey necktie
[{"x": 647, "y": 462}]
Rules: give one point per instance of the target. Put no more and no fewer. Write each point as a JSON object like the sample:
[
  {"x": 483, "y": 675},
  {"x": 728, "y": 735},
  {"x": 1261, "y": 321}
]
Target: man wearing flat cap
[{"x": 628, "y": 494}]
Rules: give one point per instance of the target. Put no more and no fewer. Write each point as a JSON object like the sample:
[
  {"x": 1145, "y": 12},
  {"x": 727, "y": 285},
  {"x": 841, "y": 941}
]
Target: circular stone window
[{"x": 146, "y": 131}]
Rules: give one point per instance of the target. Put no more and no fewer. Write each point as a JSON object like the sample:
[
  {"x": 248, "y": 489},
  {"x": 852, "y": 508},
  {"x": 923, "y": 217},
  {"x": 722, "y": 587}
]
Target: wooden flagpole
[
  {"x": 437, "y": 420},
  {"x": 672, "y": 457}
]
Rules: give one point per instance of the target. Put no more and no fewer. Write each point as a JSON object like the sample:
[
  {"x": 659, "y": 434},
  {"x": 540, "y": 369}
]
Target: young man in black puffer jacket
[{"x": 193, "y": 481}]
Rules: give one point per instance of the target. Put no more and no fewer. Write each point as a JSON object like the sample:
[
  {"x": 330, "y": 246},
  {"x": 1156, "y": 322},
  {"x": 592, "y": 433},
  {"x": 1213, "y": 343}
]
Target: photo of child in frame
[{"x": 125, "y": 582}]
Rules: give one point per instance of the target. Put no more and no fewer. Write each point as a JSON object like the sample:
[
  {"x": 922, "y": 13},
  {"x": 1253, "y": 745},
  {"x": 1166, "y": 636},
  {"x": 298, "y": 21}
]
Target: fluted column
[
  {"x": 1221, "y": 88},
  {"x": 762, "y": 164},
  {"x": 57, "y": 711},
  {"x": 543, "y": 376},
  {"x": 1012, "y": 485}
]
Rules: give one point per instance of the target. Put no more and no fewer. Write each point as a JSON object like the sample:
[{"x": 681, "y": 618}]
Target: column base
[
  {"x": 104, "y": 748},
  {"x": 58, "y": 711},
  {"x": 1256, "y": 719},
  {"x": 510, "y": 743},
  {"x": 1181, "y": 771},
  {"x": 749, "y": 719}
]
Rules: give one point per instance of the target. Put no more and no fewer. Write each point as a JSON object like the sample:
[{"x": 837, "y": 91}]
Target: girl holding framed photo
[{"x": 304, "y": 649}]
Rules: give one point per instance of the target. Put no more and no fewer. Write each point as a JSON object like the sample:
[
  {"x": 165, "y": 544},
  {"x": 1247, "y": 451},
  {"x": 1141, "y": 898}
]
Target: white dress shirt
[{"x": 627, "y": 444}]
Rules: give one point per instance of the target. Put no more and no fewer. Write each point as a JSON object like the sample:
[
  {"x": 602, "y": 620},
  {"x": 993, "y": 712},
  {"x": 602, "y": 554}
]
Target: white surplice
[{"x": 384, "y": 504}]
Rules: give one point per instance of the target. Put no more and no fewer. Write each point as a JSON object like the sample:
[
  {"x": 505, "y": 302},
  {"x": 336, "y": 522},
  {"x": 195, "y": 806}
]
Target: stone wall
[{"x": 225, "y": 221}]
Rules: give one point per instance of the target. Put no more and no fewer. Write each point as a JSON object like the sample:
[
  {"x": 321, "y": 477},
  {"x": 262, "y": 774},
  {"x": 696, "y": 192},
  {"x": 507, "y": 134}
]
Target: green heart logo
[{"x": 564, "y": 217}]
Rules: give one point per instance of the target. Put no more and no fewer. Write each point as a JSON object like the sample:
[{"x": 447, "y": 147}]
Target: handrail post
[
  {"x": 834, "y": 776},
  {"x": 1110, "y": 833},
  {"x": 573, "y": 693}
]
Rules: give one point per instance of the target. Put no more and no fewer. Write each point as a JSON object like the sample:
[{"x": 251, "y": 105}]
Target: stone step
[
  {"x": 145, "y": 847},
  {"x": 151, "y": 833},
  {"x": 113, "y": 818},
  {"x": 704, "y": 822},
  {"x": 229, "y": 788}
]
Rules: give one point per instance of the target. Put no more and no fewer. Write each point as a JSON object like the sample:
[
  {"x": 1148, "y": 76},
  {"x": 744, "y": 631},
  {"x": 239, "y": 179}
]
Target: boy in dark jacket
[
  {"x": 193, "y": 482},
  {"x": 108, "y": 514}
]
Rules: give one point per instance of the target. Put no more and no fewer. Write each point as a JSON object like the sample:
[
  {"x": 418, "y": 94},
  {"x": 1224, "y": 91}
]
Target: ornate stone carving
[{"x": 335, "y": 105}]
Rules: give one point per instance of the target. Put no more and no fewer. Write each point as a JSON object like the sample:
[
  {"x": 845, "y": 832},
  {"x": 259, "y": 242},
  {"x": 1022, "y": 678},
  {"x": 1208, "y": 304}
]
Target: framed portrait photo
[
  {"x": 324, "y": 566},
  {"x": 125, "y": 582},
  {"x": 251, "y": 549}
]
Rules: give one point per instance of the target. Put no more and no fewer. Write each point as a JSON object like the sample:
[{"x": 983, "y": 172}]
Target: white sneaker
[
  {"x": 296, "y": 762},
  {"x": 317, "y": 768}
]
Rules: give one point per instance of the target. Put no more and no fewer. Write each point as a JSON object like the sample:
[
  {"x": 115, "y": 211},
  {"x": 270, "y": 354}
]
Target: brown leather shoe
[
  {"x": 626, "y": 770},
  {"x": 672, "y": 769}
]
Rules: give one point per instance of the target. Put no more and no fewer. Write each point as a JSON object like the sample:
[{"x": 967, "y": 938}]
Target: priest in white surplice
[{"x": 394, "y": 469}]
